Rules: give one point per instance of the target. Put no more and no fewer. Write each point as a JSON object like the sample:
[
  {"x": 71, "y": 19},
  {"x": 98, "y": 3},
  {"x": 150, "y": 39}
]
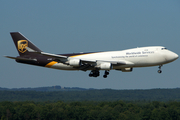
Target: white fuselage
[{"x": 136, "y": 57}]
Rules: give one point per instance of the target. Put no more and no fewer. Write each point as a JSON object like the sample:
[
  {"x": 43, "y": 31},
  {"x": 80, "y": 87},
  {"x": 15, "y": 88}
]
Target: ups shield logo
[{"x": 22, "y": 44}]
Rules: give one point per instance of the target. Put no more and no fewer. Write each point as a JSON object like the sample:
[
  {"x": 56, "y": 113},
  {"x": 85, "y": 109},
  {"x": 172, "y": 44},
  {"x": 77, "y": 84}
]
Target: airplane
[{"x": 124, "y": 60}]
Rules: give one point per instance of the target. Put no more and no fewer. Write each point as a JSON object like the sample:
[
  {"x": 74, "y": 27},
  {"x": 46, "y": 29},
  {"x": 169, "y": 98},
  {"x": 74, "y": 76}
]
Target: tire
[
  {"x": 105, "y": 76},
  {"x": 159, "y": 71}
]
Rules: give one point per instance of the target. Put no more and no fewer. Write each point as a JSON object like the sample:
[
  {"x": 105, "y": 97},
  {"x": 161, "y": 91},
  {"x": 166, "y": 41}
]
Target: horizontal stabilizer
[{"x": 20, "y": 58}]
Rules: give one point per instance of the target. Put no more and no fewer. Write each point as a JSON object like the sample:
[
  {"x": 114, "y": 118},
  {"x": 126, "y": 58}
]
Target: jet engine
[
  {"x": 75, "y": 62},
  {"x": 105, "y": 66}
]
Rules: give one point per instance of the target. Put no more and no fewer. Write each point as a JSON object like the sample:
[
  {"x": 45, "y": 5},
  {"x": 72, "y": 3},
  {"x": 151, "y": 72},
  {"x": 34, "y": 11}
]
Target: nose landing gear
[{"x": 160, "y": 71}]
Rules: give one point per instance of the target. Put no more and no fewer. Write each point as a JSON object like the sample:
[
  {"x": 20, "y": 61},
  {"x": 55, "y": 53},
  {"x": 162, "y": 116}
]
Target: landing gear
[
  {"x": 106, "y": 73},
  {"x": 160, "y": 71},
  {"x": 94, "y": 73}
]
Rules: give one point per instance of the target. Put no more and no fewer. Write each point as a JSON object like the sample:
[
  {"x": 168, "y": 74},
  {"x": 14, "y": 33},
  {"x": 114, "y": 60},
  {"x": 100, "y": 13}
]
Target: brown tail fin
[{"x": 21, "y": 43}]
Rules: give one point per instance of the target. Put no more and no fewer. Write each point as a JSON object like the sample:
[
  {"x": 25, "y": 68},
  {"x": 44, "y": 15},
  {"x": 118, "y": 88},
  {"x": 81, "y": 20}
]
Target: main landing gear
[
  {"x": 96, "y": 73},
  {"x": 160, "y": 71}
]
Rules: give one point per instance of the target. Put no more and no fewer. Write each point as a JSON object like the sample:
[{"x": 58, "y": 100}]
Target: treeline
[
  {"x": 89, "y": 110},
  {"x": 50, "y": 88},
  {"x": 92, "y": 95}
]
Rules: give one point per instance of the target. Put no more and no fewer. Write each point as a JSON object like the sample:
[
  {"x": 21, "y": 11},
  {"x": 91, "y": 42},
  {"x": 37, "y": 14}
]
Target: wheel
[
  {"x": 105, "y": 76},
  {"x": 94, "y": 75},
  {"x": 159, "y": 71},
  {"x": 90, "y": 75},
  {"x": 97, "y": 73},
  {"x": 107, "y": 73}
]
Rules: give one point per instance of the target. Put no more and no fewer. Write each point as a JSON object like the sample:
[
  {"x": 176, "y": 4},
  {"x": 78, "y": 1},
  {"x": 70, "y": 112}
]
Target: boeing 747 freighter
[{"x": 124, "y": 60}]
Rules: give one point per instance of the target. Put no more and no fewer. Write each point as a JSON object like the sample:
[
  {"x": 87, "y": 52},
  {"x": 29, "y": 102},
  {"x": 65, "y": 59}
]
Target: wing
[
  {"x": 46, "y": 54},
  {"x": 89, "y": 64},
  {"x": 81, "y": 64}
]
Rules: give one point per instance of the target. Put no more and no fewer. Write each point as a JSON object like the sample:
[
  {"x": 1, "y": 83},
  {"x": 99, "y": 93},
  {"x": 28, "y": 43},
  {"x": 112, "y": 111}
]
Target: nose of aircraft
[
  {"x": 176, "y": 56},
  {"x": 172, "y": 56}
]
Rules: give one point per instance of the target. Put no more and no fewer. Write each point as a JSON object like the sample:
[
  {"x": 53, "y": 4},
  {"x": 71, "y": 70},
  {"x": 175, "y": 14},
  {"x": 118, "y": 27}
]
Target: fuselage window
[{"x": 163, "y": 48}]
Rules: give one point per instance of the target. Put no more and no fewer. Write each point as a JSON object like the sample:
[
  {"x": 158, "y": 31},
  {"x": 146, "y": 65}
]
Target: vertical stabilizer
[{"x": 22, "y": 42}]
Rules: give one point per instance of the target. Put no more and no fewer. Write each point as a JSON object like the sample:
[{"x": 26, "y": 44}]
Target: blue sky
[{"x": 86, "y": 26}]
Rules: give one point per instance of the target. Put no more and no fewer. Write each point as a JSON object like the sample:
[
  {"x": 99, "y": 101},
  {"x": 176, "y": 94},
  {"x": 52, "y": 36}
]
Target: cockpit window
[{"x": 163, "y": 48}]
